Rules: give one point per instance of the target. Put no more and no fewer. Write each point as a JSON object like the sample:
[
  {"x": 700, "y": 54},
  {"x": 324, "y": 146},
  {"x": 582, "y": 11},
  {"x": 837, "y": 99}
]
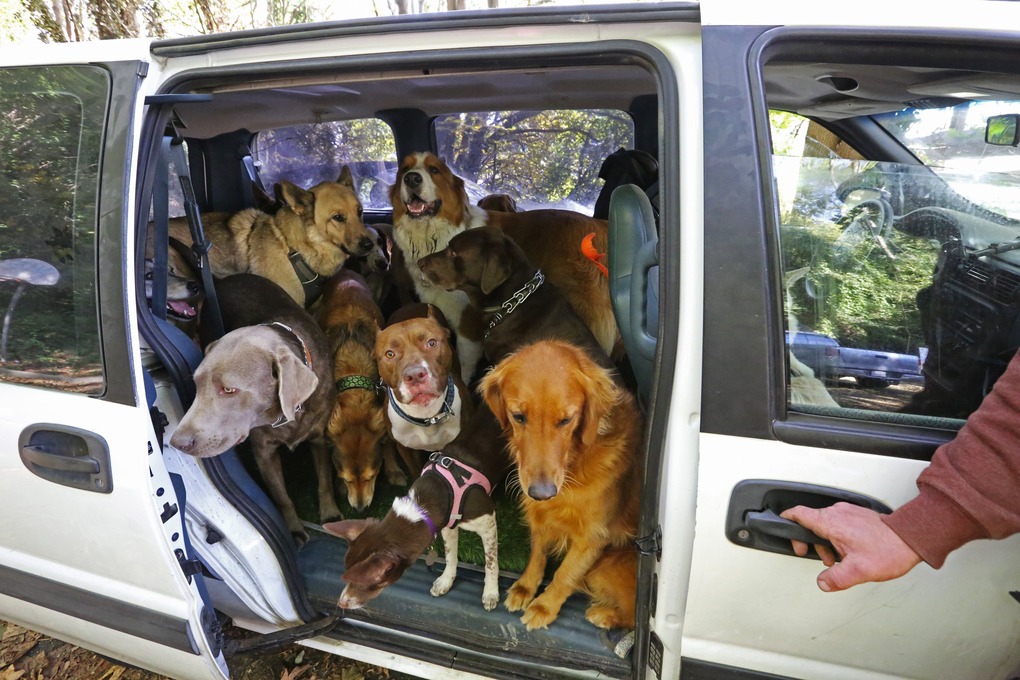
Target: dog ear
[
  {"x": 346, "y": 178},
  {"x": 300, "y": 201},
  {"x": 491, "y": 389},
  {"x": 295, "y": 383},
  {"x": 496, "y": 268},
  {"x": 601, "y": 394},
  {"x": 348, "y": 528}
]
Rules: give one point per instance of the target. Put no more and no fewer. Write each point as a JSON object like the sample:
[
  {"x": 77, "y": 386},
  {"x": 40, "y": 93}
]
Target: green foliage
[
  {"x": 855, "y": 291},
  {"x": 51, "y": 127},
  {"x": 544, "y": 157}
]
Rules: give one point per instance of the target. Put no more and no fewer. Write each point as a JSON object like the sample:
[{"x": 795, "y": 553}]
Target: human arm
[
  {"x": 870, "y": 550},
  {"x": 971, "y": 490}
]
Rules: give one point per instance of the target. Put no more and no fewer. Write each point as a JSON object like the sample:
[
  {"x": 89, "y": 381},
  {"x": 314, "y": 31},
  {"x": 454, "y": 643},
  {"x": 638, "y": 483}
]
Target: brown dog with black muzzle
[
  {"x": 574, "y": 435},
  {"x": 517, "y": 304},
  {"x": 357, "y": 427}
]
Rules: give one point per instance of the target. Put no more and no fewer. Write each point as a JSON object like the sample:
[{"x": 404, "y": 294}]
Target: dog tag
[{"x": 431, "y": 556}]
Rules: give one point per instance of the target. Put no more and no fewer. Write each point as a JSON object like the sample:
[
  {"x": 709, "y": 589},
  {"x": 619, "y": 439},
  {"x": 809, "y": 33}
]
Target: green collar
[{"x": 350, "y": 382}]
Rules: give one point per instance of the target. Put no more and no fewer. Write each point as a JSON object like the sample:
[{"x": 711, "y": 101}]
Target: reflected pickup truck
[{"x": 877, "y": 368}]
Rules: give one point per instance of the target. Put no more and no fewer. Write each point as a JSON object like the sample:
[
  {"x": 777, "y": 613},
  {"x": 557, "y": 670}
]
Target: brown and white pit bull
[{"x": 427, "y": 401}]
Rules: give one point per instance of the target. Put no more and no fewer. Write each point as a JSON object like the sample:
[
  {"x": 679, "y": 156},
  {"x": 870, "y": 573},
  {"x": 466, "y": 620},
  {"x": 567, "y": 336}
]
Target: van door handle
[
  {"x": 60, "y": 461},
  {"x": 68, "y": 456},
  {"x": 753, "y": 519}
]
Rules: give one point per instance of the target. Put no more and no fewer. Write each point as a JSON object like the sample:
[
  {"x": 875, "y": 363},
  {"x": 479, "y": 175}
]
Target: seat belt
[
  {"x": 211, "y": 316},
  {"x": 160, "y": 231}
]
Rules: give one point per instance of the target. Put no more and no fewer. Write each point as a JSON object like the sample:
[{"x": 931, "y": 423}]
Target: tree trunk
[{"x": 115, "y": 18}]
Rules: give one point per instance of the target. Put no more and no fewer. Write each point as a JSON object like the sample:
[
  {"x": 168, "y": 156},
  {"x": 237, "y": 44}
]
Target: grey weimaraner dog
[{"x": 269, "y": 378}]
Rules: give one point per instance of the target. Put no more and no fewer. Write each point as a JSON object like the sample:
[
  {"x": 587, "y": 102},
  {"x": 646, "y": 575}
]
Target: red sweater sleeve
[{"x": 972, "y": 487}]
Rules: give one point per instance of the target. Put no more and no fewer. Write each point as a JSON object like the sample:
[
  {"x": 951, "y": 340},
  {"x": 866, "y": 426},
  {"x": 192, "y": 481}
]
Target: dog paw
[
  {"x": 602, "y": 616},
  {"x": 396, "y": 478},
  {"x": 518, "y": 597},
  {"x": 490, "y": 598},
  {"x": 537, "y": 616},
  {"x": 330, "y": 512},
  {"x": 441, "y": 586}
]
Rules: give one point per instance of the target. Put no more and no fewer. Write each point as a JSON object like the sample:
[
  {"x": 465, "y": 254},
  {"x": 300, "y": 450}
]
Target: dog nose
[
  {"x": 182, "y": 442},
  {"x": 194, "y": 288},
  {"x": 365, "y": 244},
  {"x": 412, "y": 180},
  {"x": 542, "y": 491},
  {"x": 415, "y": 374}
]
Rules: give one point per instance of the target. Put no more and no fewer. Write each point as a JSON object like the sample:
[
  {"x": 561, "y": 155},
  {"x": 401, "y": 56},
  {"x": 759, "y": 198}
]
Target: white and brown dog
[
  {"x": 430, "y": 206},
  {"x": 427, "y": 400}
]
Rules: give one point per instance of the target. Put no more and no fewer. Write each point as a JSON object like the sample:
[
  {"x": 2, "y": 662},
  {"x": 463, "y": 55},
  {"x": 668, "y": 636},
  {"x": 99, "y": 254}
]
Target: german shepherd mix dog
[
  {"x": 269, "y": 378},
  {"x": 311, "y": 235},
  {"x": 351, "y": 320},
  {"x": 430, "y": 206},
  {"x": 574, "y": 435}
]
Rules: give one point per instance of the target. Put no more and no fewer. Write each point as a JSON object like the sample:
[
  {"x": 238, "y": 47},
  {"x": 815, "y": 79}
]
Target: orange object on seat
[{"x": 589, "y": 250}]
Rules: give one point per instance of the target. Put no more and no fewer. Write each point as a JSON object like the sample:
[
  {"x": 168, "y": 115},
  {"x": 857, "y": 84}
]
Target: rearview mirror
[{"x": 1003, "y": 130}]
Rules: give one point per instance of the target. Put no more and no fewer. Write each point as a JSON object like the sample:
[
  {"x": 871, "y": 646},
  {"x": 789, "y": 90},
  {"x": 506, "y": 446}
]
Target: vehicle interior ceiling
[{"x": 285, "y": 100}]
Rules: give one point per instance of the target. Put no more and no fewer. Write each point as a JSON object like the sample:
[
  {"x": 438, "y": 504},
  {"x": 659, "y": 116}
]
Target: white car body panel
[{"x": 716, "y": 602}]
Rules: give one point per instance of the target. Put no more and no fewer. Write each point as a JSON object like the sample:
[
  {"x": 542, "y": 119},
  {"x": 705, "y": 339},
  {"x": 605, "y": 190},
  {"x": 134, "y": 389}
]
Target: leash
[
  {"x": 459, "y": 477},
  {"x": 444, "y": 412},
  {"x": 500, "y": 312}
]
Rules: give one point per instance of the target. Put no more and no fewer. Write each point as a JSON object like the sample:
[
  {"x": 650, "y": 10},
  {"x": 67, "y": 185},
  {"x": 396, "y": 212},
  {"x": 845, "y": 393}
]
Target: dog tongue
[
  {"x": 417, "y": 207},
  {"x": 181, "y": 309}
]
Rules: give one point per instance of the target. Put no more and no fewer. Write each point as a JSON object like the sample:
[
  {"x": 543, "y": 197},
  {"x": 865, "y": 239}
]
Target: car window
[
  {"x": 541, "y": 159},
  {"x": 51, "y": 133},
  {"x": 308, "y": 154},
  {"x": 852, "y": 279},
  {"x": 951, "y": 141}
]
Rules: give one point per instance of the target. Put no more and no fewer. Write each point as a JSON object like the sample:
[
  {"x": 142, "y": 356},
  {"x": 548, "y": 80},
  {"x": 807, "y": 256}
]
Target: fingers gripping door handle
[{"x": 753, "y": 519}]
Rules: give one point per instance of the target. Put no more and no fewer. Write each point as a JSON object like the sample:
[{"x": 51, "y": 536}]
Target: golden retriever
[
  {"x": 574, "y": 435},
  {"x": 430, "y": 206},
  {"x": 322, "y": 225}
]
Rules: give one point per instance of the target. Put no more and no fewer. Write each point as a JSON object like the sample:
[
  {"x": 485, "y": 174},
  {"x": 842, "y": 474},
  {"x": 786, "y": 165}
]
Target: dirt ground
[{"x": 28, "y": 655}]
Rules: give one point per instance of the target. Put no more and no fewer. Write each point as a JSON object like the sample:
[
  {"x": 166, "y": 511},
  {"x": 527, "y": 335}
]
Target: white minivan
[{"x": 818, "y": 167}]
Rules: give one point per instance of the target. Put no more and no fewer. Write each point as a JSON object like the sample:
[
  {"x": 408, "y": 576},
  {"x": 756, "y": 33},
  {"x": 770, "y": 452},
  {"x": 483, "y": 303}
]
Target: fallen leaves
[{"x": 15, "y": 643}]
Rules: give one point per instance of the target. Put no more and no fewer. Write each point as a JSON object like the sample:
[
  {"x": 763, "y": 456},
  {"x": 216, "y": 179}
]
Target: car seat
[
  {"x": 634, "y": 280},
  {"x": 626, "y": 166}
]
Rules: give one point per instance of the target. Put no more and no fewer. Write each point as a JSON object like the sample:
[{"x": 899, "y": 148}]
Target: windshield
[{"x": 951, "y": 142}]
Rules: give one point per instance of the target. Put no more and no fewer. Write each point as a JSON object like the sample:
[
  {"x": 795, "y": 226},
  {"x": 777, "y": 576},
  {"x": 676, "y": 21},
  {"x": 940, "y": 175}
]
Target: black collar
[
  {"x": 311, "y": 282},
  {"x": 445, "y": 412},
  {"x": 507, "y": 307}
]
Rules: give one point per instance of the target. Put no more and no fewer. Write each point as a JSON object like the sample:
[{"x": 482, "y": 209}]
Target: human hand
[{"x": 868, "y": 548}]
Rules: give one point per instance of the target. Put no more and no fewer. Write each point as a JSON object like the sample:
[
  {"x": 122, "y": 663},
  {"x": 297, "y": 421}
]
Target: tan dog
[
  {"x": 269, "y": 378},
  {"x": 574, "y": 435},
  {"x": 322, "y": 225},
  {"x": 351, "y": 320},
  {"x": 427, "y": 401},
  {"x": 430, "y": 206}
]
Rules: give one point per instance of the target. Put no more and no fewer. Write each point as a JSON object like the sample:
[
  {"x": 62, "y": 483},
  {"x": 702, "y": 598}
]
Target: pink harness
[{"x": 459, "y": 477}]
